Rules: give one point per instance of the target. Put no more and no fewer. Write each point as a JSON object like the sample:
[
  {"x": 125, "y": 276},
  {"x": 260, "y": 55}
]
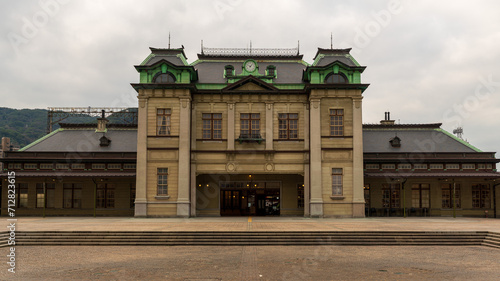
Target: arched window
[
  {"x": 335, "y": 79},
  {"x": 164, "y": 78}
]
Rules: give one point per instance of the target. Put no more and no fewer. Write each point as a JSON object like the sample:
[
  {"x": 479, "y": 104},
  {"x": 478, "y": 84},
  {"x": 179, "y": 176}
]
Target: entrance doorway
[{"x": 243, "y": 199}]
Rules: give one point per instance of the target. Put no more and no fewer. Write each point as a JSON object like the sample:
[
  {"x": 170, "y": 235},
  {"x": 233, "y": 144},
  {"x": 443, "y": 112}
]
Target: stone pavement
[{"x": 252, "y": 224}]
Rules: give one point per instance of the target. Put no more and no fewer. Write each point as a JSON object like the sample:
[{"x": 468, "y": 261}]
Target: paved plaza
[{"x": 254, "y": 262}]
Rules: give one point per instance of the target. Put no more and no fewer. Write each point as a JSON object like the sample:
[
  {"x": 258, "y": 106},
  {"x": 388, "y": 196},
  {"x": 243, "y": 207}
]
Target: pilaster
[
  {"x": 316, "y": 202},
  {"x": 358, "y": 195},
  {"x": 230, "y": 126},
  {"x": 142, "y": 159},
  {"x": 269, "y": 126},
  {"x": 183, "y": 199}
]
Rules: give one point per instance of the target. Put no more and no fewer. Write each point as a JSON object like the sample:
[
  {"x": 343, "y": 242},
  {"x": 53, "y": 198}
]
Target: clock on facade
[{"x": 250, "y": 66}]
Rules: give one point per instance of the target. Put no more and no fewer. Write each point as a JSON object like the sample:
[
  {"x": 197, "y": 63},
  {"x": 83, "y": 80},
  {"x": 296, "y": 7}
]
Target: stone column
[
  {"x": 269, "y": 126},
  {"x": 358, "y": 199},
  {"x": 193, "y": 160},
  {"x": 141, "y": 205},
  {"x": 230, "y": 126},
  {"x": 316, "y": 202},
  {"x": 183, "y": 203},
  {"x": 307, "y": 185}
]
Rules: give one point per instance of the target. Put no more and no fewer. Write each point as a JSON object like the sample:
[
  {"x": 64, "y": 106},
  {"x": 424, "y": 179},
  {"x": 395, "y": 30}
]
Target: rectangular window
[
  {"x": 419, "y": 166},
  {"x": 481, "y": 166},
  {"x": 336, "y": 122},
  {"x": 114, "y": 166},
  {"x": 30, "y": 166},
  {"x": 300, "y": 195},
  {"x": 390, "y": 195},
  {"x": 420, "y": 195},
  {"x": 46, "y": 166},
  {"x": 162, "y": 187},
  {"x": 50, "y": 190},
  {"x": 40, "y": 195},
  {"x": 105, "y": 195},
  {"x": 337, "y": 182},
  {"x": 452, "y": 166},
  {"x": 61, "y": 166},
  {"x": 468, "y": 166},
  {"x": 372, "y": 166},
  {"x": 481, "y": 196},
  {"x": 288, "y": 126},
  {"x": 250, "y": 125},
  {"x": 436, "y": 166},
  {"x": 22, "y": 195},
  {"x": 98, "y": 166},
  {"x": 72, "y": 195},
  {"x": 129, "y": 166},
  {"x": 15, "y": 166},
  {"x": 388, "y": 166},
  {"x": 212, "y": 126},
  {"x": 447, "y": 195},
  {"x": 79, "y": 166},
  {"x": 163, "y": 116},
  {"x": 132, "y": 195},
  {"x": 404, "y": 166}
]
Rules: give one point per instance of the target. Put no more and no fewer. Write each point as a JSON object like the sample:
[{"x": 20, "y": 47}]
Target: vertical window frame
[
  {"x": 337, "y": 122},
  {"x": 211, "y": 126},
  {"x": 337, "y": 182},
  {"x": 162, "y": 182},
  {"x": 288, "y": 126},
  {"x": 250, "y": 125},
  {"x": 163, "y": 121}
]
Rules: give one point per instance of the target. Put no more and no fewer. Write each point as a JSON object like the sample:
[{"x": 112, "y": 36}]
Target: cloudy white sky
[{"x": 427, "y": 61}]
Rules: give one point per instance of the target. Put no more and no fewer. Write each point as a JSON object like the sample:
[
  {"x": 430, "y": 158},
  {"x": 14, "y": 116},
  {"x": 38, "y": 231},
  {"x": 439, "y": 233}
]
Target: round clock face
[{"x": 250, "y": 66}]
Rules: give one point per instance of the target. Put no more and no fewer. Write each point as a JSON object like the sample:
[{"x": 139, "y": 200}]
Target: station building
[{"x": 247, "y": 132}]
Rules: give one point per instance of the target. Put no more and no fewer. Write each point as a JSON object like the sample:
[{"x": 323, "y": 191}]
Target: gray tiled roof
[
  {"x": 85, "y": 140},
  {"x": 413, "y": 140},
  {"x": 213, "y": 71},
  {"x": 329, "y": 59},
  {"x": 172, "y": 59}
]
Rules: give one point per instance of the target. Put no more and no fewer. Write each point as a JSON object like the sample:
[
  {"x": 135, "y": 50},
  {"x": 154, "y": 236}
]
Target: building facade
[{"x": 250, "y": 132}]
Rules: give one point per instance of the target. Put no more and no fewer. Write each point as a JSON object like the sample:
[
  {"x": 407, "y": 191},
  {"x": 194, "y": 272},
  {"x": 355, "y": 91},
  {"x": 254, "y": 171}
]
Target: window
[
  {"x": 62, "y": 166},
  {"x": 388, "y": 166},
  {"x": 420, "y": 195},
  {"x": 15, "y": 166},
  {"x": 271, "y": 70},
  {"x": 481, "y": 166},
  {"x": 162, "y": 188},
  {"x": 481, "y": 196},
  {"x": 404, "y": 166},
  {"x": 372, "y": 166},
  {"x": 452, "y": 166},
  {"x": 132, "y": 195},
  {"x": 115, "y": 166},
  {"x": 447, "y": 195},
  {"x": 337, "y": 182},
  {"x": 50, "y": 191},
  {"x": 419, "y": 166},
  {"x": 99, "y": 166},
  {"x": 288, "y": 125},
  {"x": 300, "y": 195},
  {"x": 163, "y": 121},
  {"x": 46, "y": 166},
  {"x": 390, "y": 195},
  {"x": 250, "y": 125},
  {"x": 436, "y": 166},
  {"x": 40, "y": 195},
  {"x": 336, "y": 122},
  {"x": 468, "y": 166},
  {"x": 79, "y": 166},
  {"x": 212, "y": 126},
  {"x": 30, "y": 166},
  {"x": 366, "y": 193},
  {"x": 164, "y": 78},
  {"x": 72, "y": 195},
  {"x": 229, "y": 70},
  {"x": 129, "y": 166},
  {"x": 105, "y": 195},
  {"x": 22, "y": 195},
  {"x": 335, "y": 79}
]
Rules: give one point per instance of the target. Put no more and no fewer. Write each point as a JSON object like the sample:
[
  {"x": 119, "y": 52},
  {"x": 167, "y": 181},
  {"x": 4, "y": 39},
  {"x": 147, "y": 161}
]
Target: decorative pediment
[{"x": 250, "y": 83}]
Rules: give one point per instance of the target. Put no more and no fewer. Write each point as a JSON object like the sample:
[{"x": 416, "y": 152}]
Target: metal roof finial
[
  {"x": 331, "y": 40},
  {"x": 169, "y": 39}
]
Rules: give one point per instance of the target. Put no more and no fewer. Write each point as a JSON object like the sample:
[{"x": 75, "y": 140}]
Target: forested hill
[{"x": 22, "y": 126}]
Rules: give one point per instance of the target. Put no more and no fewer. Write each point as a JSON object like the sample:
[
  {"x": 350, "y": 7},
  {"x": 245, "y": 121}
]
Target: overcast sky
[{"x": 427, "y": 61}]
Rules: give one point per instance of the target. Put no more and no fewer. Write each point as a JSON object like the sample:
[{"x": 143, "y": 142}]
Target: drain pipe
[{"x": 495, "y": 200}]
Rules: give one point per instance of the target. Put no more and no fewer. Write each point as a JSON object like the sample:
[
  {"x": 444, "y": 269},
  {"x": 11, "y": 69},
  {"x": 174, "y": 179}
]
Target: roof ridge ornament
[{"x": 261, "y": 52}]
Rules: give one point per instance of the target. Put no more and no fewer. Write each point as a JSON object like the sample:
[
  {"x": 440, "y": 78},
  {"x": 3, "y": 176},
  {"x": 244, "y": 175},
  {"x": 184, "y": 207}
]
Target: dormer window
[
  {"x": 229, "y": 70},
  {"x": 395, "y": 142},
  {"x": 104, "y": 141},
  {"x": 333, "y": 78},
  {"x": 271, "y": 70},
  {"x": 164, "y": 78}
]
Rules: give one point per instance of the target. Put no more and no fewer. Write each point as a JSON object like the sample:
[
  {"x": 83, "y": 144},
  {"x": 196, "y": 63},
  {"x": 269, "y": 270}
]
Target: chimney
[
  {"x": 5, "y": 144},
  {"x": 101, "y": 124},
  {"x": 387, "y": 120}
]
